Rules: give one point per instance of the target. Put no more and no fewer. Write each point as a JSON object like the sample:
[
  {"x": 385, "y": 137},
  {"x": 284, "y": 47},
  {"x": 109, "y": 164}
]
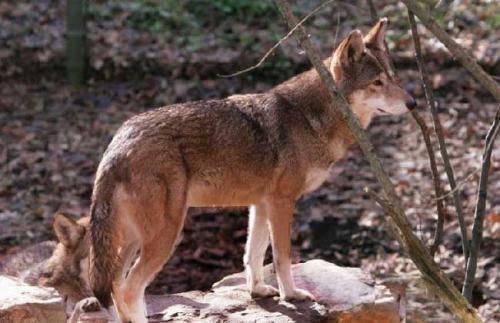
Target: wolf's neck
[{"x": 307, "y": 93}]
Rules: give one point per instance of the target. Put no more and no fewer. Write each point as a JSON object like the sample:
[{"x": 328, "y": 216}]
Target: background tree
[{"x": 76, "y": 36}]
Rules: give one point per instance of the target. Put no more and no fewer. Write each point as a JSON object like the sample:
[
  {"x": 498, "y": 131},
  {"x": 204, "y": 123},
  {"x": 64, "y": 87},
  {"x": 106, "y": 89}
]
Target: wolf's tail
[{"x": 103, "y": 252}]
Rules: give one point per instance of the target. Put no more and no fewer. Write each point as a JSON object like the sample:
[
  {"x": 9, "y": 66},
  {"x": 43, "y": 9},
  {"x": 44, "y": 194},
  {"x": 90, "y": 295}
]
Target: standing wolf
[{"x": 261, "y": 150}]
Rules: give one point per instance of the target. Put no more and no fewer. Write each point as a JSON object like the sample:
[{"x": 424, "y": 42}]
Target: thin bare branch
[
  {"x": 456, "y": 50},
  {"x": 460, "y": 184},
  {"x": 337, "y": 28},
  {"x": 373, "y": 11},
  {"x": 456, "y": 304},
  {"x": 429, "y": 95},
  {"x": 429, "y": 3},
  {"x": 413, "y": 246},
  {"x": 442, "y": 7},
  {"x": 477, "y": 228},
  {"x": 441, "y": 211},
  {"x": 272, "y": 49}
]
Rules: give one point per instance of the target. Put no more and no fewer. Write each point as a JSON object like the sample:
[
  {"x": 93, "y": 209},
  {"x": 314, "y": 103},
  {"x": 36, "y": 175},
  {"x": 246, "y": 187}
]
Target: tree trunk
[{"x": 76, "y": 54}]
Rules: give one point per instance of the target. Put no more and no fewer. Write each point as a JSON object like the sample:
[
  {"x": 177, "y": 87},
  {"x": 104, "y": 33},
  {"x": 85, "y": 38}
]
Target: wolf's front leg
[
  {"x": 255, "y": 251},
  {"x": 280, "y": 213}
]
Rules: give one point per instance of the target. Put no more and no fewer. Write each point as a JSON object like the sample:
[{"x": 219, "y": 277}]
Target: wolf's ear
[
  {"x": 375, "y": 36},
  {"x": 349, "y": 51},
  {"x": 67, "y": 231}
]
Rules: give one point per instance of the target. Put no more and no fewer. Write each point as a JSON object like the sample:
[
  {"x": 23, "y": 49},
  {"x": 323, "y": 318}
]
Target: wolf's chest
[{"x": 314, "y": 178}]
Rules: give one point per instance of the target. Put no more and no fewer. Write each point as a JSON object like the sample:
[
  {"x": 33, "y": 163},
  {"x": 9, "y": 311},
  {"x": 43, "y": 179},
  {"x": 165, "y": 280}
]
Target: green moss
[
  {"x": 187, "y": 24},
  {"x": 161, "y": 16},
  {"x": 494, "y": 21}
]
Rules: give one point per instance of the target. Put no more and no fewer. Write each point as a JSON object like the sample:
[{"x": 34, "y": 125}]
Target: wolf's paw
[
  {"x": 263, "y": 290},
  {"x": 298, "y": 295},
  {"x": 90, "y": 304}
]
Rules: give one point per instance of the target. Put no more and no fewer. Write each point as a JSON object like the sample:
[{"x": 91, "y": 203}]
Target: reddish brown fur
[
  {"x": 264, "y": 150},
  {"x": 63, "y": 270}
]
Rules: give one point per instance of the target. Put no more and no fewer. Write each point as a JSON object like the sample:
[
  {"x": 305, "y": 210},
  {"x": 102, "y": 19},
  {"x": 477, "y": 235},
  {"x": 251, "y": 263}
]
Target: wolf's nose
[{"x": 411, "y": 104}]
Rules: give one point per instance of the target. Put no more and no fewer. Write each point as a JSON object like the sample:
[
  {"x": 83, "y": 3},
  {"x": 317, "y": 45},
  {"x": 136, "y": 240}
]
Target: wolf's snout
[{"x": 411, "y": 104}]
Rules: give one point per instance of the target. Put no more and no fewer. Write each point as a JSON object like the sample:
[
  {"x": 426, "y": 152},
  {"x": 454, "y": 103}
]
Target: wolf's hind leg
[
  {"x": 161, "y": 224},
  {"x": 255, "y": 251},
  {"x": 127, "y": 255},
  {"x": 153, "y": 256}
]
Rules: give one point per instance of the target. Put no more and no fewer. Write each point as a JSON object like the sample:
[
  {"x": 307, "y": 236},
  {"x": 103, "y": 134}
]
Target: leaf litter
[{"x": 52, "y": 136}]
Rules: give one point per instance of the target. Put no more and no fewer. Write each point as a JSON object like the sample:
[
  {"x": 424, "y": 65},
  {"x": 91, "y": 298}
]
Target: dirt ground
[{"x": 52, "y": 135}]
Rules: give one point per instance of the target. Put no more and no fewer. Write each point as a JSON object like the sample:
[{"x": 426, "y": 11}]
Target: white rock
[
  {"x": 343, "y": 295},
  {"x": 20, "y": 302}
]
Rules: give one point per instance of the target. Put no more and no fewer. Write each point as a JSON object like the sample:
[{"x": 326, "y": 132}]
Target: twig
[
  {"x": 459, "y": 185},
  {"x": 373, "y": 11},
  {"x": 272, "y": 49},
  {"x": 477, "y": 228},
  {"x": 456, "y": 304},
  {"x": 429, "y": 3},
  {"x": 442, "y": 7},
  {"x": 337, "y": 28},
  {"x": 463, "y": 182},
  {"x": 442, "y": 285},
  {"x": 387, "y": 207},
  {"x": 429, "y": 95},
  {"x": 441, "y": 211},
  {"x": 456, "y": 50}
]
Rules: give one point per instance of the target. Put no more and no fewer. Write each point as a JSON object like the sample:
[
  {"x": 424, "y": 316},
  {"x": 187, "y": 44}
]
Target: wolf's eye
[{"x": 378, "y": 83}]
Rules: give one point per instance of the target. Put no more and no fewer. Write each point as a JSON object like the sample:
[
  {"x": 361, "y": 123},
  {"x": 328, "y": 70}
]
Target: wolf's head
[
  {"x": 362, "y": 70},
  {"x": 67, "y": 269}
]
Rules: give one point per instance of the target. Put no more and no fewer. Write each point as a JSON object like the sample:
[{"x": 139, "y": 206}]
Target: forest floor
[{"x": 52, "y": 135}]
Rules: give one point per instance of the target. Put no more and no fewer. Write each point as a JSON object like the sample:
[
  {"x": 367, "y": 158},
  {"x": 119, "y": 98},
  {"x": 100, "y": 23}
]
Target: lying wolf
[{"x": 259, "y": 150}]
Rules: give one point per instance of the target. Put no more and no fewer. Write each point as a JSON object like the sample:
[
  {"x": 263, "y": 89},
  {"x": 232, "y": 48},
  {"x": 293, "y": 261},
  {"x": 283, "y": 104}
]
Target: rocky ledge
[{"x": 342, "y": 294}]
